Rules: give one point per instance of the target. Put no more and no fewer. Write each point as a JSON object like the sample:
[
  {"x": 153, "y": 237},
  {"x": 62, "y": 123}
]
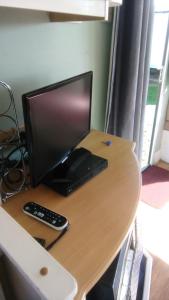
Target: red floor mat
[{"x": 155, "y": 187}]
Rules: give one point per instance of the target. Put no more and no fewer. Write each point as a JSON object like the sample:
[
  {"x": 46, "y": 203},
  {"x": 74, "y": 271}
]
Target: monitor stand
[{"x": 79, "y": 167}]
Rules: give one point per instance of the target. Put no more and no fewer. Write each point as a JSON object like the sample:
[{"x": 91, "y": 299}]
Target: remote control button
[
  {"x": 39, "y": 214},
  {"x": 27, "y": 208}
]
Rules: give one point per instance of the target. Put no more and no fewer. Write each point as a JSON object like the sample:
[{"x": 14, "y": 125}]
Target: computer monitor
[{"x": 57, "y": 117}]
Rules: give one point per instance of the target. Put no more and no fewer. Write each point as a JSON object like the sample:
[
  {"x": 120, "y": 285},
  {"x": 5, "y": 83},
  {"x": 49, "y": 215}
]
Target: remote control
[{"x": 45, "y": 216}]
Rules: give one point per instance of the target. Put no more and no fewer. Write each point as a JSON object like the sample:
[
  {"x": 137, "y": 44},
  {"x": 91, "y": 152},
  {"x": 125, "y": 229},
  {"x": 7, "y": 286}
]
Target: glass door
[{"x": 158, "y": 62}]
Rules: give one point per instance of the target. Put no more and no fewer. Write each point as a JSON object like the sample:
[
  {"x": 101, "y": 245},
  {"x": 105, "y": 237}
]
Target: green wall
[{"x": 35, "y": 52}]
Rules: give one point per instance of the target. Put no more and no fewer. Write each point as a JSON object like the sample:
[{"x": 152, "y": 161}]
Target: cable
[
  {"x": 5, "y": 132},
  {"x": 8, "y": 183},
  {"x": 10, "y": 103},
  {"x": 14, "y": 150},
  {"x": 58, "y": 238},
  {"x": 13, "y": 172}
]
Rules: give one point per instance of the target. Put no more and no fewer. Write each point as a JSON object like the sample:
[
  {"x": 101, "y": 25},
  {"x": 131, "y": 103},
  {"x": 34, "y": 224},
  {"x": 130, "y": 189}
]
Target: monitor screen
[{"x": 57, "y": 118}]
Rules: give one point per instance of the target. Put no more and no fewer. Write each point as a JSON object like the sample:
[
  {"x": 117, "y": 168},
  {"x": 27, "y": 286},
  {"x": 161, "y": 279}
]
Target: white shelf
[
  {"x": 113, "y": 3},
  {"x": 89, "y": 9},
  {"x": 26, "y": 258}
]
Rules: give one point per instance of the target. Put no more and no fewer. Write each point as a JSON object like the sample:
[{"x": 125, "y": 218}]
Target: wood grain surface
[{"x": 100, "y": 212}]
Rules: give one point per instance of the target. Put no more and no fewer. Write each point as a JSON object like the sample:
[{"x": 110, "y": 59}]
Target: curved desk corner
[{"x": 100, "y": 213}]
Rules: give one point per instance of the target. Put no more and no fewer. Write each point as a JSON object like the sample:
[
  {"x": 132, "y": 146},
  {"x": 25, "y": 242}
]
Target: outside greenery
[{"x": 152, "y": 94}]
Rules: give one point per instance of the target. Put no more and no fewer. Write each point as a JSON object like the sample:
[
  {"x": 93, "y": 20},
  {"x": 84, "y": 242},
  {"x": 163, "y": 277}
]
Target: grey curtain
[{"x": 129, "y": 70}]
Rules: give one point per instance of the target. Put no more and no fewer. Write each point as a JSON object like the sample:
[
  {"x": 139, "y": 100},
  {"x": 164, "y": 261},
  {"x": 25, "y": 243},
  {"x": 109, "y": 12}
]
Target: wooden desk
[{"x": 100, "y": 212}]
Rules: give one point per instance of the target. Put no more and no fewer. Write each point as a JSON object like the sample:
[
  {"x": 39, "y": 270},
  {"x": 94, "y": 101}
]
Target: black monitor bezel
[{"x": 28, "y": 127}]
